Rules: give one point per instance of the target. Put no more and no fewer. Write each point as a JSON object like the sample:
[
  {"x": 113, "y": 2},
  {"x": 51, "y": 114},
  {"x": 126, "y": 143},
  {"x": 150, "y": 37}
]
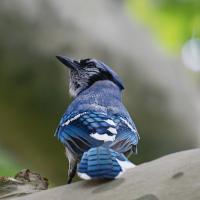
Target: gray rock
[
  {"x": 172, "y": 177},
  {"x": 24, "y": 182}
]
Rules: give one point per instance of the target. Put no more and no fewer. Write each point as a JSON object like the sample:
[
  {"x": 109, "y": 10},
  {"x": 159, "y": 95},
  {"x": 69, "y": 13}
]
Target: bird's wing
[
  {"x": 84, "y": 130},
  {"x": 127, "y": 136}
]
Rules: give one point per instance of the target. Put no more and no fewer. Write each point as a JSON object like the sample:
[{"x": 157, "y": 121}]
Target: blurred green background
[
  {"x": 135, "y": 37},
  {"x": 172, "y": 21}
]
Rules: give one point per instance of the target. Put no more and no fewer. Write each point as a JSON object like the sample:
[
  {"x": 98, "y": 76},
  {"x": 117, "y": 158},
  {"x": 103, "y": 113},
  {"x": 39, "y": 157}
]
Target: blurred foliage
[
  {"x": 32, "y": 96},
  {"x": 8, "y": 166},
  {"x": 173, "y": 22}
]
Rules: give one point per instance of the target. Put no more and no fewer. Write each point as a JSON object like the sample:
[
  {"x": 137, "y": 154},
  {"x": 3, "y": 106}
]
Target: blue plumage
[
  {"x": 96, "y": 130},
  {"x": 101, "y": 162}
]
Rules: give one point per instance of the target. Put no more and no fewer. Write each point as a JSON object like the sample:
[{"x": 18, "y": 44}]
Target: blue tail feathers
[{"x": 102, "y": 163}]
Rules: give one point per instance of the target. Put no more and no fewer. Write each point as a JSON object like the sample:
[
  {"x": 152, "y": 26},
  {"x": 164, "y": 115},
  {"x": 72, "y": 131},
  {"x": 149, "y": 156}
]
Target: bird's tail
[{"x": 102, "y": 163}]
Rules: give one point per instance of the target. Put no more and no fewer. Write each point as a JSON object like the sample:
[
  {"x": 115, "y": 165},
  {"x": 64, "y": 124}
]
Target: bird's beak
[{"x": 72, "y": 64}]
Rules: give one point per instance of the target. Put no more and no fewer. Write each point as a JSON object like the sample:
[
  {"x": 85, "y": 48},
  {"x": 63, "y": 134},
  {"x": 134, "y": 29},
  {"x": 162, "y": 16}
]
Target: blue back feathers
[
  {"x": 102, "y": 163},
  {"x": 97, "y": 129}
]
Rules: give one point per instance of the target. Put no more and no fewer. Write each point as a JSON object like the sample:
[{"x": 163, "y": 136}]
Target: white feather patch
[
  {"x": 109, "y": 121},
  {"x": 125, "y": 165},
  {"x": 73, "y": 118},
  {"x": 112, "y": 130},
  {"x": 129, "y": 125},
  {"x": 105, "y": 137},
  {"x": 84, "y": 176}
]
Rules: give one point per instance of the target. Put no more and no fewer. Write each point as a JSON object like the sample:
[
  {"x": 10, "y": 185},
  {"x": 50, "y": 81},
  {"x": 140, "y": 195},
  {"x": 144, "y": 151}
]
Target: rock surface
[
  {"x": 24, "y": 182},
  {"x": 172, "y": 177}
]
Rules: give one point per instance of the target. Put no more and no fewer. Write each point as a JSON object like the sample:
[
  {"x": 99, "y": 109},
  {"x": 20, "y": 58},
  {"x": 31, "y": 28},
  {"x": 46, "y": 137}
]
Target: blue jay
[{"x": 96, "y": 129}]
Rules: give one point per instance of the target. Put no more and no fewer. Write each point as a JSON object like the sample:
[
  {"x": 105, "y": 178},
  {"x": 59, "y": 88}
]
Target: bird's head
[{"x": 86, "y": 72}]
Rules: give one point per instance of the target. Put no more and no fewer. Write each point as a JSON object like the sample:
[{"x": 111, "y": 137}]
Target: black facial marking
[
  {"x": 102, "y": 75},
  {"x": 84, "y": 61},
  {"x": 77, "y": 85}
]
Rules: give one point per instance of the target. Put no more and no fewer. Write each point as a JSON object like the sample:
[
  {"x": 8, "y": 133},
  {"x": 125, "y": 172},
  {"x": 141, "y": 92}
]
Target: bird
[{"x": 96, "y": 130}]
